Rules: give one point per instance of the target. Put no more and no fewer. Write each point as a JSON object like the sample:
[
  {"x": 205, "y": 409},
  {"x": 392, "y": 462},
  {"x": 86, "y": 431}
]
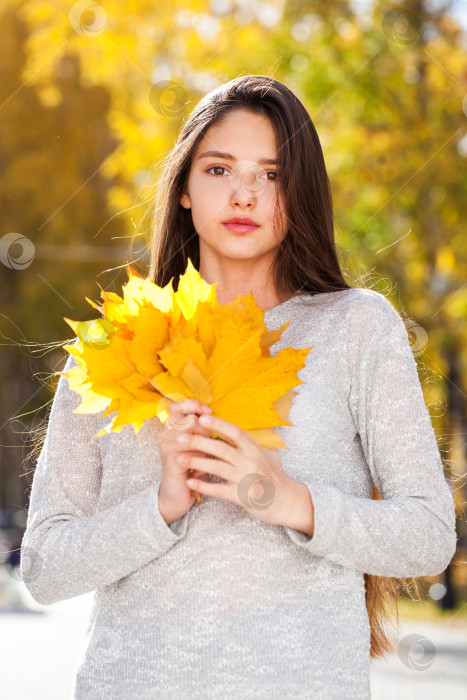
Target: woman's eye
[
  {"x": 215, "y": 167},
  {"x": 221, "y": 167}
]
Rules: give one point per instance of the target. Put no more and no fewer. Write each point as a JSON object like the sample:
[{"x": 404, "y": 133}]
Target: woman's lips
[{"x": 240, "y": 228}]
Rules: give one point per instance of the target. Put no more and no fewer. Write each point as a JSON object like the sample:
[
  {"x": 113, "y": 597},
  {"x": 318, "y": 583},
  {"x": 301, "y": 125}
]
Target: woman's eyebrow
[{"x": 229, "y": 156}]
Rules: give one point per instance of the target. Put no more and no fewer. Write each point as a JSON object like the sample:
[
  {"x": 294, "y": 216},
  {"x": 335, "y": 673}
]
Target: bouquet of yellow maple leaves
[{"x": 155, "y": 345}]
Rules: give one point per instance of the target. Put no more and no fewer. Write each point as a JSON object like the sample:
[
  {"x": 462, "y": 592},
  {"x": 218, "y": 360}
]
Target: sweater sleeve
[
  {"x": 69, "y": 548},
  {"x": 411, "y": 532}
]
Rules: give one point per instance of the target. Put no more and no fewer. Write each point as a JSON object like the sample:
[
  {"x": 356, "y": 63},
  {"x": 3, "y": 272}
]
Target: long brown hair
[{"x": 307, "y": 258}]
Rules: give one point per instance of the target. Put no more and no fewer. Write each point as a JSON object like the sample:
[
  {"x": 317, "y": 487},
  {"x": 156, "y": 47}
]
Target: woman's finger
[
  {"x": 197, "y": 474},
  {"x": 182, "y": 413},
  {"x": 190, "y": 406},
  {"x": 235, "y": 435},
  {"x": 209, "y": 448}
]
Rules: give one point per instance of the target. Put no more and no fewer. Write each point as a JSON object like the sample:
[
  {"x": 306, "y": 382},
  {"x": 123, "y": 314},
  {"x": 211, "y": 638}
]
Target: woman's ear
[{"x": 185, "y": 201}]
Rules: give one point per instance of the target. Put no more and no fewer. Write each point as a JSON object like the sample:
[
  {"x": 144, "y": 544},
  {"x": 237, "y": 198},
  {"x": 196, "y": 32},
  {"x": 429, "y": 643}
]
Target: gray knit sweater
[{"x": 218, "y": 604}]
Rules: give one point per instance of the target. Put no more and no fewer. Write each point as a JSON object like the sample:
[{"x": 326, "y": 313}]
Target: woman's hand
[
  {"x": 175, "y": 497},
  {"x": 256, "y": 479}
]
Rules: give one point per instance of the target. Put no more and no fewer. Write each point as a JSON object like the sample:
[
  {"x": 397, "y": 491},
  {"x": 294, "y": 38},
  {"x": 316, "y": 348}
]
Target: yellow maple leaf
[{"x": 155, "y": 345}]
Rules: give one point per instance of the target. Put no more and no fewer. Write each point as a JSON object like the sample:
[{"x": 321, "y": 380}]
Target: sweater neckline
[
  {"x": 302, "y": 295},
  {"x": 285, "y": 303}
]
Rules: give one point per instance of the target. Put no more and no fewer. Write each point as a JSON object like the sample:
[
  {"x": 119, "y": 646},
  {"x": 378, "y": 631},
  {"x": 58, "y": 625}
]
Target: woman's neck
[{"x": 239, "y": 280}]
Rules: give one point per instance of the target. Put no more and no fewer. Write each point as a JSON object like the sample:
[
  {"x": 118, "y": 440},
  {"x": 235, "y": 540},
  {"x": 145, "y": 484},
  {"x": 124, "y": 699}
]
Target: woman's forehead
[{"x": 239, "y": 139}]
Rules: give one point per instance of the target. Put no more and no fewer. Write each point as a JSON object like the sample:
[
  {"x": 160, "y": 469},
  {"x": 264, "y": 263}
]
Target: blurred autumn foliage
[{"x": 92, "y": 97}]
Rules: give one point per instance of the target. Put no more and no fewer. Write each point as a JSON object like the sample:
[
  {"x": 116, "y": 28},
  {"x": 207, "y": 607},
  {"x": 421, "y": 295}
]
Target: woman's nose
[{"x": 246, "y": 183}]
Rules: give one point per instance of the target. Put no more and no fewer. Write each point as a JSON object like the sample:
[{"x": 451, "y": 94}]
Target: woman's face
[{"x": 220, "y": 188}]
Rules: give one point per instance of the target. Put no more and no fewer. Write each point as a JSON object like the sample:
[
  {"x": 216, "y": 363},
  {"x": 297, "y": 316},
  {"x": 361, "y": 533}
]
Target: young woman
[{"x": 250, "y": 594}]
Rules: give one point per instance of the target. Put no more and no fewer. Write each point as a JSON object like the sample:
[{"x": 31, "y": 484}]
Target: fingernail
[
  {"x": 205, "y": 420},
  {"x": 207, "y": 408}
]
